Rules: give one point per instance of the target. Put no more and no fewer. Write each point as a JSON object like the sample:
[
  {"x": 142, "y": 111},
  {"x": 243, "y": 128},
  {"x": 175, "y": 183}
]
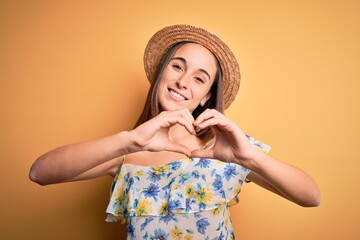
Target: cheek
[
  {"x": 162, "y": 83},
  {"x": 202, "y": 92},
  {"x": 167, "y": 74},
  {"x": 165, "y": 79}
]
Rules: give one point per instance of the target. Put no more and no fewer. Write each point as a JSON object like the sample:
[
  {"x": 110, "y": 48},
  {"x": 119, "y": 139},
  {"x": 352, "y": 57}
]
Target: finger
[
  {"x": 202, "y": 153},
  {"x": 172, "y": 120},
  {"x": 187, "y": 114},
  {"x": 184, "y": 113},
  {"x": 207, "y": 114},
  {"x": 204, "y": 115},
  {"x": 220, "y": 123}
]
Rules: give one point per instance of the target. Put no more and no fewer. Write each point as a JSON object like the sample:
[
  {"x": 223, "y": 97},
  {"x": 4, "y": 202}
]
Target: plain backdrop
[{"x": 72, "y": 71}]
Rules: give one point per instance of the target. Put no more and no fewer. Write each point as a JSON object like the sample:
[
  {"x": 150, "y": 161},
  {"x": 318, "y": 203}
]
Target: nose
[{"x": 183, "y": 81}]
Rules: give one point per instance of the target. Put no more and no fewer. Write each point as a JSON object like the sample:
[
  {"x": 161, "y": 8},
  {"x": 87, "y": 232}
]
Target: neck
[{"x": 178, "y": 132}]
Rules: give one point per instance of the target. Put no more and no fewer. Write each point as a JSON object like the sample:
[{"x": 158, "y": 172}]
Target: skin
[
  {"x": 172, "y": 135},
  {"x": 187, "y": 79}
]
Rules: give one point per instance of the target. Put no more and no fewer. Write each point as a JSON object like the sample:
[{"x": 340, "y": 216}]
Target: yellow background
[{"x": 72, "y": 71}]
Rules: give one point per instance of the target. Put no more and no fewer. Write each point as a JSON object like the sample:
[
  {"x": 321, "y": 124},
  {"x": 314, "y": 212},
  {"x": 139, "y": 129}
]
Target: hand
[
  {"x": 153, "y": 135},
  {"x": 231, "y": 144}
]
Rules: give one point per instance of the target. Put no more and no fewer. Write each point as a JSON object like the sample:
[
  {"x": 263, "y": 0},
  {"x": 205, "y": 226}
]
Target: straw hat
[{"x": 169, "y": 36}]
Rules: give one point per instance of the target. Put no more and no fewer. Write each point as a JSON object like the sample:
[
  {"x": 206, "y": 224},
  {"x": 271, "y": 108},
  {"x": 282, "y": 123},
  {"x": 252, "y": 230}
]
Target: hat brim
[{"x": 165, "y": 38}]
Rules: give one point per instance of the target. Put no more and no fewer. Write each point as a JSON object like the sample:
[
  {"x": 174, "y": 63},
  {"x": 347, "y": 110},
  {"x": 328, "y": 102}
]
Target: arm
[
  {"x": 96, "y": 158},
  {"x": 285, "y": 180},
  {"x": 232, "y": 146},
  {"x": 89, "y": 159}
]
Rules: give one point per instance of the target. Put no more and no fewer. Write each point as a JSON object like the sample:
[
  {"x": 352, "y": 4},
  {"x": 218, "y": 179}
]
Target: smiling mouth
[{"x": 177, "y": 96}]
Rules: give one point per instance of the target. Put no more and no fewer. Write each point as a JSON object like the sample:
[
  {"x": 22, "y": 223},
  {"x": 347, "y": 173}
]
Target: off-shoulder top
[{"x": 185, "y": 199}]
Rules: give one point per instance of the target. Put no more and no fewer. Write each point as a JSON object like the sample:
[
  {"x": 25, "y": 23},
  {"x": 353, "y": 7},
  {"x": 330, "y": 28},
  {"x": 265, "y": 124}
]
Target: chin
[{"x": 174, "y": 107}]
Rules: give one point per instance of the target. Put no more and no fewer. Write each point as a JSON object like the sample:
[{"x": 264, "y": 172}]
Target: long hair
[{"x": 152, "y": 106}]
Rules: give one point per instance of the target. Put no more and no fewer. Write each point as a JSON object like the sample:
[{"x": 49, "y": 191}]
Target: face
[{"x": 187, "y": 78}]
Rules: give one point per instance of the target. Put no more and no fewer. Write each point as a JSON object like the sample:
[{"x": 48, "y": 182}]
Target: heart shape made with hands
[{"x": 164, "y": 133}]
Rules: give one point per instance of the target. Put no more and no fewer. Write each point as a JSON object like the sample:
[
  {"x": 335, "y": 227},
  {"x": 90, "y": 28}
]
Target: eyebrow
[{"x": 184, "y": 61}]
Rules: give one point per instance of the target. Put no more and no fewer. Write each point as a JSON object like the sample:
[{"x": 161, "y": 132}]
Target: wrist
[
  {"x": 127, "y": 143},
  {"x": 252, "y": 159}
]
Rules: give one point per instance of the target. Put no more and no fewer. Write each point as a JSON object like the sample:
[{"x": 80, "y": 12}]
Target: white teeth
[{"x": 177, "y": 95}]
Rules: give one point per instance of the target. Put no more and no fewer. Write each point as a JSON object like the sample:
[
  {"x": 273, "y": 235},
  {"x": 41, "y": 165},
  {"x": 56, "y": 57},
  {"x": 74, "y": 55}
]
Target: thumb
[{"x": 202, "y": 153}]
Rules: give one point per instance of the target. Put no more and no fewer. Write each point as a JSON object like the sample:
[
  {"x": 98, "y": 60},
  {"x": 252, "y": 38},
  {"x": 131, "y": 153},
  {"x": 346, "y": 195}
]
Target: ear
[{"x": 205, "y": 99}]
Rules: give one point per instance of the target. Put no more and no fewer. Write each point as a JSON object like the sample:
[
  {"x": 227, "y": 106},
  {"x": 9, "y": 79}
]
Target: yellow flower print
[
  {"x": 217, "y": 210},
  {"x": 164, "y": 209},
  {"x": 119, "y": 177},
  {"x": 161, "y": 169},
  {"x": 176, "y": 234},
  {"x": 143, "y": 208},
  {"x": 120, "y": 212},
  {"x": 176, "y": 186},
  {"x": 189, "y": 191},
  {"x": 204, "y": 195},
  {"x": 120, "y": 196},
  {"x": 188, "y": 237},
  {"x": 139, "y": 173}
]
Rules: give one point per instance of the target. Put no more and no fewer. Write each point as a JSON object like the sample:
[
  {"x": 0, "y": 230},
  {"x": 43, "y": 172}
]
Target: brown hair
[{"x": 152, "y": 106}]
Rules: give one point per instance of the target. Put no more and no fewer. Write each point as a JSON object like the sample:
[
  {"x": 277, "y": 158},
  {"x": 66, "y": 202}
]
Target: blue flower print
[
  {"x": 145, "y": 237},
  {"x": 222, "y": 237},
  {"x": 125, "y": 212},
  {"x": 130, "y": 229},
  {"x": 202, "y": 206},
  {"x": 203, "y": 176},
  {"x": 185, "y": 199},
  {"x": 175, "y": 165},
  {"x": 203, "y": 163},
  {"x": 167, "y": 218},
  {"x": 244, "y": 169},
  {"x": 217, "y": 184},
  {"x": 131, "y": 182},
  {"x": 167, "y": 186},
  {"x": 229, "y": 172},
  {"x": 153, "y": 177},
  {"x": 188, "y": 205},
  {"x": 147, "y": 221},
  {"x": 174, "y": 204},
  {"x": 126, "y": 177},
  {"x": 184, "y": 177},
  {"x": 195, "y": 174},
  {"x": 159, "y": 234},
  {"x": 151, "y": 191},
  {"x": 136, "y": 201},
  {"x": 201, "y": 225},
  {"x": 222, "y": 193}
]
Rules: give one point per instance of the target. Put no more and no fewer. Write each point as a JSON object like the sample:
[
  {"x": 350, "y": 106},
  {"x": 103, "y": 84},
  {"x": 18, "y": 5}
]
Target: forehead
[
  {"x": 195, "y": 49},
  {"x": 197, "y": 56}
]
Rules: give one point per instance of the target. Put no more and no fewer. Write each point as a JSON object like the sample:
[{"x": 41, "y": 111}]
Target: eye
[
  {"x": 177, "y": 66},
  {"x": 200, "y": 80}
]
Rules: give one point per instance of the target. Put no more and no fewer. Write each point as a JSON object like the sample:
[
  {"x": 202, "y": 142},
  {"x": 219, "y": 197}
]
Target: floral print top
[{"x": 185, "y": 199}]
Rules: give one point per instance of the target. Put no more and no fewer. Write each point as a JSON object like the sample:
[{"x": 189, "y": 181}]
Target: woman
[{"x": 181, "y": 167}]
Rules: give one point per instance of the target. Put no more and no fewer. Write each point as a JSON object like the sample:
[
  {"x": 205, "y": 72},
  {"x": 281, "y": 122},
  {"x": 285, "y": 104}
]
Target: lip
[{"x": 176, "y": 95}]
